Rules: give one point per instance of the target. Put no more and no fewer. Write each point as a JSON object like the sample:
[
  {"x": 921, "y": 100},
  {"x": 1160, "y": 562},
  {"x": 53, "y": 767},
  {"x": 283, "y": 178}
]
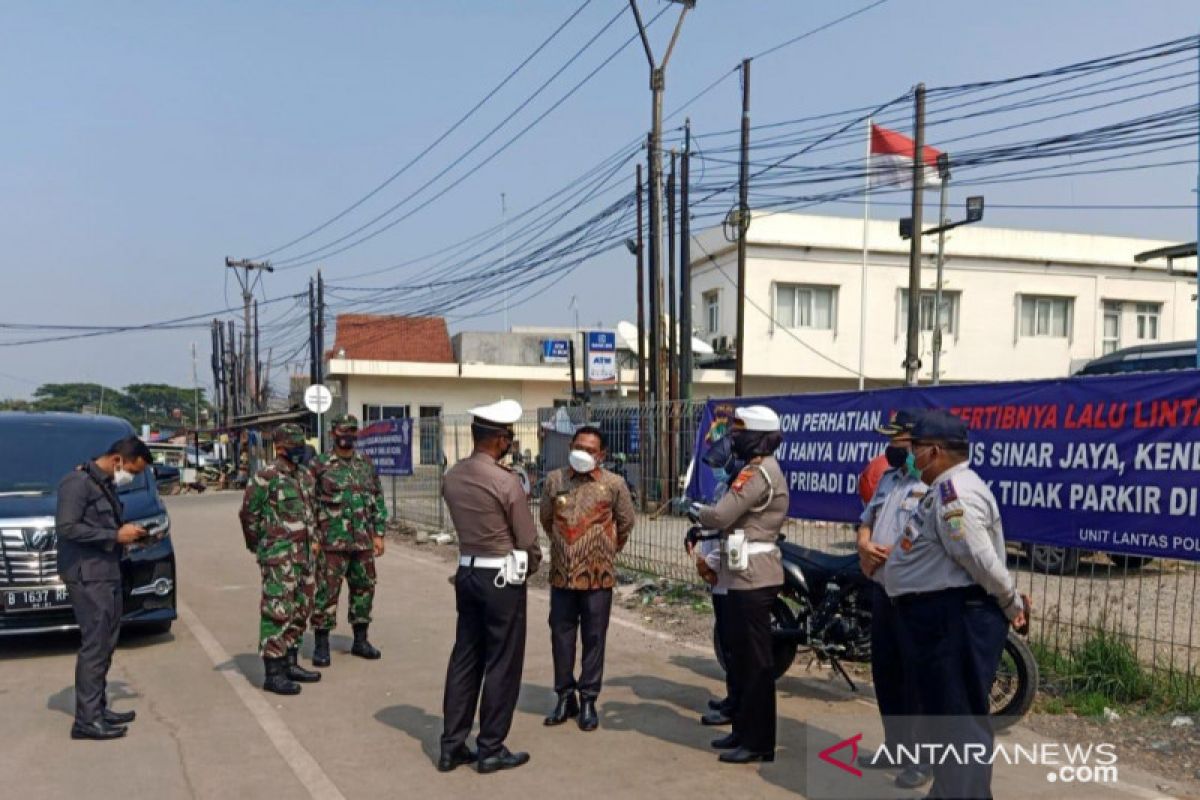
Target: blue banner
[
  {"x": 389, "y": 444},
  {"x": 556, "y": 351},
  {"x": 1101, "y": 463}
]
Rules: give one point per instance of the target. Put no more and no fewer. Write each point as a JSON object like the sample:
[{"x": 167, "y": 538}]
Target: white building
[{"x": 1017, "y": 304}]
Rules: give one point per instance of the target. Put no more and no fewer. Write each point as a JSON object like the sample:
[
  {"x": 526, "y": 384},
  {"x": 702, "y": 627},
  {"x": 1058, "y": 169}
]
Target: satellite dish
[
  {"x": 629, "y": 334},
  {"x": 701, "y": 347}
]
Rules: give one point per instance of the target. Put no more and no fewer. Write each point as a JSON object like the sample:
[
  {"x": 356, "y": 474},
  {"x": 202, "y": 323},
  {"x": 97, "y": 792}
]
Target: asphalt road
[{"x": 370, "y": 729}]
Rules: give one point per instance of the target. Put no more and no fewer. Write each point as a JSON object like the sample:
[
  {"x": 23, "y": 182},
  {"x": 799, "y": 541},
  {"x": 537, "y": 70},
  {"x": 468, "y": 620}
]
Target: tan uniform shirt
[
  {"x": 489, "y": 509},
  {"x": 749, "y": 491},
  {"x": 588, "y": 519}
]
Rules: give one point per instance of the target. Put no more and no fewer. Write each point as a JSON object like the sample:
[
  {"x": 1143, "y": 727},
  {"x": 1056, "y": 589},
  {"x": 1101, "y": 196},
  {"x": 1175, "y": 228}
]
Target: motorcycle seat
[{"x": 819, "y": 566}]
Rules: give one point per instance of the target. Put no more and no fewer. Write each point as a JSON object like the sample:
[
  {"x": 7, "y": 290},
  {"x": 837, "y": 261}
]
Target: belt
[
  {"x": 759, "y": 548},
  {"x": 482, "y": 562},
  {"x": 973, "y": 592}
]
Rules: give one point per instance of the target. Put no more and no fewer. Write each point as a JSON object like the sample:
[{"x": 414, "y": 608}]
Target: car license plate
[{"x": 36, "y": 599}]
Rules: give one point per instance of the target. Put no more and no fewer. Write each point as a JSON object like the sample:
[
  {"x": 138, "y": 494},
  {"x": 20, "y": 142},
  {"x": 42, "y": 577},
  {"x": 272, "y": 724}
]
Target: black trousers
[
  {"x": 754, "y": 670},
  {"x": 895, "y": 679},
  {"x": 721, "y": 612},
  {"x": 489, "y": 654},
  {"x": 579, "y": 613},
  {"x": 953, "y": 639},
  {"x": 97, "y": 606}
]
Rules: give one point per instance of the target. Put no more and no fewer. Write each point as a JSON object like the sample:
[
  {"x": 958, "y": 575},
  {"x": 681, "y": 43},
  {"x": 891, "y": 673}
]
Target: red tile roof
[{"x": 374, "y": 337}]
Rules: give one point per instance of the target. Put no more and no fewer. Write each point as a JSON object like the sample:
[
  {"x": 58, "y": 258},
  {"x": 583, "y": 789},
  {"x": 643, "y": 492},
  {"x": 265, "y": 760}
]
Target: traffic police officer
[
  {"x": 278, "y": 525},
  {"x": 888, "y": 510},
  {"x": 754, "y": 509},
  {"x": 351, "y": 515},
  {"x": 494, "y": 525},
  {"x": 955, "y": 599}
]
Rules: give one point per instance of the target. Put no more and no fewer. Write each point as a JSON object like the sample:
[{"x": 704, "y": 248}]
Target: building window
[
  {"x": 377, "y": 413},
  {"x": 1046, "y": 316},
  {"x": 1112, "y": 328},
  {"x": 1147, "y": 321},
  {"x": 712, "y": 310},
  {"x": 798, "y": 306},
  {"x": 948, "y": 316}
]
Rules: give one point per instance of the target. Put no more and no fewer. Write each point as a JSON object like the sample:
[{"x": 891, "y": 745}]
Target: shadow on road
[{"x": 418, "y": 724}]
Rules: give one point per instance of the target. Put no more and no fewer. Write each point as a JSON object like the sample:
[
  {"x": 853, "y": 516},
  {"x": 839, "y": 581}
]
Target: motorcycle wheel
[
  {"x": 1016, "y": 683},
  {"x": 783, "y": 650}
]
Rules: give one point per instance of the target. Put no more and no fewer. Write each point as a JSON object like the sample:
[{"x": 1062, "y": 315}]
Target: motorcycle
[{"x": 825, "y": 607}]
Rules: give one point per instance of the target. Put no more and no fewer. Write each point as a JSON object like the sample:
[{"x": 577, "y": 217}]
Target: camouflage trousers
[
  {"x": 288, "y": 588},
  {"x": 357, "y": 568}
]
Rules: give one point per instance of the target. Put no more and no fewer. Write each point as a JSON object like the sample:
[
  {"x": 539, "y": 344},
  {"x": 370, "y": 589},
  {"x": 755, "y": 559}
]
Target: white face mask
[
  {"x": 582, "y": 461},
  {"x": 122, "y": 477}
]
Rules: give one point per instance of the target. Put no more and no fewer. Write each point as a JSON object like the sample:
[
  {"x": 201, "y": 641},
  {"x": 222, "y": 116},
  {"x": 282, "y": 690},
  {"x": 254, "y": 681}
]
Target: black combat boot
[
  {"x": 321, "y": 649},
  {"x": 276, "y": 680},
  {"x": 297, "y": 672},
  {"x": 361, "y": 646}
]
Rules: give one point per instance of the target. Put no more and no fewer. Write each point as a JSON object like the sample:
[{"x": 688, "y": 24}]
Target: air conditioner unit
[{"x": 720, "y": 343}]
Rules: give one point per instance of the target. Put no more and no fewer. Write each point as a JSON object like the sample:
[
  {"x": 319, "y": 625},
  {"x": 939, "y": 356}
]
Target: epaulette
[{"x": 947, "y": 492}]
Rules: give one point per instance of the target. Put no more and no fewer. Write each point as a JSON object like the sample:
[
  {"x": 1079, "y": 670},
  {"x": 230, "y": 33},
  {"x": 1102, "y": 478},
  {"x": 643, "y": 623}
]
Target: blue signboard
[
  {"x": 556, "y": 351},
  {"x": 389, "y": 445},
  {"x": 601, "y": 357},
  {"x": 1101, "y": 463}
]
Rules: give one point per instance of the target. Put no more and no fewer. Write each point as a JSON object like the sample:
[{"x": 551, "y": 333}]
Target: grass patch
[{"x": 1104, "y": 672}]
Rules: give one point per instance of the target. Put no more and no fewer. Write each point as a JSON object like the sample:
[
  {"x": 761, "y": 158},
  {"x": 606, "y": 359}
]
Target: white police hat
[
  {"x": 758, "y": 418},
  {"x": 502, "y": 412}
]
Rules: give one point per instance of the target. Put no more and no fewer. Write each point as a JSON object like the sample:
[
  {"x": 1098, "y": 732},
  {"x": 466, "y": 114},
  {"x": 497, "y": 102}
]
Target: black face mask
[
  {"x": 896, "y": 456},
  {"x": 296, "y": 455},
  {"x": 344, "y": 442}
]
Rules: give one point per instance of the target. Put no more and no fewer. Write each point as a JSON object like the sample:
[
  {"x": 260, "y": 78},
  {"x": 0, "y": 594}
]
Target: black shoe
[
  {"x": 716, "y": 718},
  {"x": 727, "y": 742},
  {"x": 321, "y": 649},
  {"x": 568, "y": 707},
  {"x": 744, "y": 756},
  {"x": 588, "y": 719},
  {"x": 914, "y": 777},
  {"x": 298, "y": 673},
  {"x": 361, "y": 647},
  {"x": 276, "y": 678},
  {"x": 97, "y": 731},
  {"x": 448, "y": 762},
  {"x": 503, "y": 760},
  {"x": 719, "y": 705},
  {"x": 119, "y": 717}
]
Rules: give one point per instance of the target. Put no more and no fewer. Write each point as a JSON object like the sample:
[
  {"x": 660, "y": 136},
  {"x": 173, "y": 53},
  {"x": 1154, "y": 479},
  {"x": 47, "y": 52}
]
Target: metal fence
[{"x": 1077, "y": 595}]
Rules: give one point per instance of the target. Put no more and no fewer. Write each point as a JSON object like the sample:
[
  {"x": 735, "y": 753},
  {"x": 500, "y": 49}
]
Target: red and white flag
[{"x": 891, "y": 160}]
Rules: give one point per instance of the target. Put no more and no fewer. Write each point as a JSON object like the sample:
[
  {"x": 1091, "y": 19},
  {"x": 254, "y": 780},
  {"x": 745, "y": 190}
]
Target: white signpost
[{"x": 318, "y": 399}]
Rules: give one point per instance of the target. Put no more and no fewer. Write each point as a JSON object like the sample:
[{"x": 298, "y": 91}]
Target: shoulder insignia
[
  {"x": 947, "y": 492},
  {"x": 953, "y": 514},
  {"x": 742, "y": 479}
]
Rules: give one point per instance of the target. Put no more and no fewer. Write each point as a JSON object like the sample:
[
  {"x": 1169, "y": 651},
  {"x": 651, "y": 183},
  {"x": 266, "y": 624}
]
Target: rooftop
[{"x": 377, "y": 337}]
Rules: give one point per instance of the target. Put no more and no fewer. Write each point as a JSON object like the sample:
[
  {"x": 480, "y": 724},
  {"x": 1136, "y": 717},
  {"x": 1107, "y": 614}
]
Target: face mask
[
  {"x": 296, "y": 454},
  {"x": 122, "y": 477},
  {"x": 896, "y": 456},
  {"x": 344, "y": 442},
  {"x": 916, "y": 468},
  {"x": 582, "y": 461},
  {"x": 910, "y": 464}
]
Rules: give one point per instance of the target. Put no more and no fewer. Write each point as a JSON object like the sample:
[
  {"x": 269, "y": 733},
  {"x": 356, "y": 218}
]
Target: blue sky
[{"x": 145, "y": 141}]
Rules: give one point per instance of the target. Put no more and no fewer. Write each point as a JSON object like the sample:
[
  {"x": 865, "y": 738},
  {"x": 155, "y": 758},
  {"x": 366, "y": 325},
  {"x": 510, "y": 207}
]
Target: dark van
[{"x": 38, "y": 450}]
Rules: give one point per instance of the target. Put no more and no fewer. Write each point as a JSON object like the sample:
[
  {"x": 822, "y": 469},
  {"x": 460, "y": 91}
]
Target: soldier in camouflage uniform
[
  {"x": 278, "y": 523},
  {"x": 351, "y": 513}
]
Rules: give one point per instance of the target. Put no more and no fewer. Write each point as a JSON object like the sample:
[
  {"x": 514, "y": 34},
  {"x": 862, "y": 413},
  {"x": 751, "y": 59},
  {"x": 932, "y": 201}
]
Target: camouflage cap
[
  {"x": 344, "y": 422},
  {"x": 289, "y": 434}
]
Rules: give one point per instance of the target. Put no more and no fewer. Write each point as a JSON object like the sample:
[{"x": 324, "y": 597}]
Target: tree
[{"x": 154, "y": 404}]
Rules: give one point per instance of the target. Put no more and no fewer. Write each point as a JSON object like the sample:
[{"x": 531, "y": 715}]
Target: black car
[{"x": 39, "y": 449}]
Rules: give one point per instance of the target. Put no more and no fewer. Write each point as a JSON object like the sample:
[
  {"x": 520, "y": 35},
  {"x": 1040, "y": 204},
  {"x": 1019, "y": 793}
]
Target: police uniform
[
  {"x": 492, "y": 519},
  {"x": 954, "y": 599},
  {"x": 887, "y": 512},
  {"x": 756, "y": 505}
]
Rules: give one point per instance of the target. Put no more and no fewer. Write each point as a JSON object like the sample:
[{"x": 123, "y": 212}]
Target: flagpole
[{"x": 862, "y": 321}]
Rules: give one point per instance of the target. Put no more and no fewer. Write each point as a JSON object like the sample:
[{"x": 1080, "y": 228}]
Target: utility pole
[
  {"x": 944, "y": 175},
  {"x": 743, "y": 224},
  {"x": 641, "y": 291},
  {"x": 912, "y": 355},
  {"x": 231, "y": 371},
  {"x": 195, "y": 390},
  {"x": 320, "y": 349},
  {"x": 256, "y": 389},
  {"x": 672, "y": 318},
  {"x": 312, "y": 332},
  {"x": 685, "y": 267},
  {"x": 243, "y": 268},
  {"x": 654, "y": 148},
  {"x": 652, "y": 319}
]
